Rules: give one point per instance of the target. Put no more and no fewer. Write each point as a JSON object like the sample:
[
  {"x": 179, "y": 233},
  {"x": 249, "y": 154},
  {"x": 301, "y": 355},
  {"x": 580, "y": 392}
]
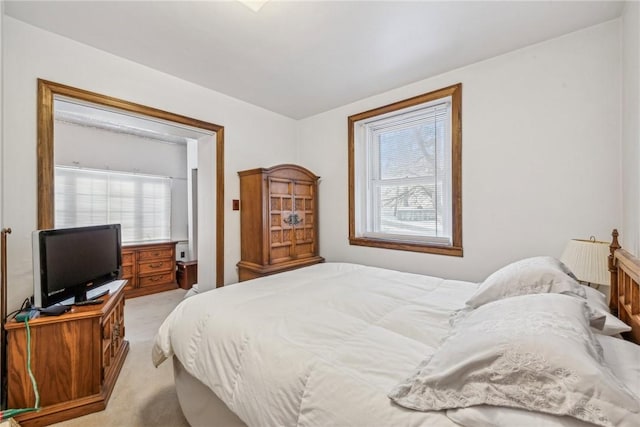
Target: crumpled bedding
[{"x": 318, "y": 346}]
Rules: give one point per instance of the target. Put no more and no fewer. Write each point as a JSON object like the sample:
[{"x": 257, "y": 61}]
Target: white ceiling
[{"x": 300, "y": 58}]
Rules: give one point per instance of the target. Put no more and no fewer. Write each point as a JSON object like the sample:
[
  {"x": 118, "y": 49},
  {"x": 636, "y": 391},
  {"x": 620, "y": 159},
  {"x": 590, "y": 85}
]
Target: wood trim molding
[
  {"x": 613, "y": 270},
  {"x": 47, "y": 90},
  {"x": 220, "y": 207},
  {"x": 407, "y": 246},
  {"x": 455, "y": 249},
  {"x": 45, "y": 156}
]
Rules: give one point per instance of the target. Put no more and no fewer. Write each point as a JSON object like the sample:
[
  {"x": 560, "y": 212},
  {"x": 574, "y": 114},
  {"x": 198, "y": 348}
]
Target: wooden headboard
[{"x": 625, "y": 287}]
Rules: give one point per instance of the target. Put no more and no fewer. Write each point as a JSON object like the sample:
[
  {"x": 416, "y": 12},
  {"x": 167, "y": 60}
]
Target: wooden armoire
[{"x": 278, "y": 220}]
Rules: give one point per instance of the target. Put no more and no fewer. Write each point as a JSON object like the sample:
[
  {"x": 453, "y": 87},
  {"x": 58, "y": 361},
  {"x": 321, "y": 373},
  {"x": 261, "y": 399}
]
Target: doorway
[{"x": 66, "y": 104}]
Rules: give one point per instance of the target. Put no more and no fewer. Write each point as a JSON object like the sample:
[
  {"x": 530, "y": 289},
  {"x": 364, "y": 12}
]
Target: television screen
[{"x": 70, "y": 261}]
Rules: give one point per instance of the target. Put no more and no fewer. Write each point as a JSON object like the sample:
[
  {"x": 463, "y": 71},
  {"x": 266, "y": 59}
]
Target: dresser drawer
[
  {"x": 155, "y": 254},
  {"x": 127, "y": 272},
  {"x": 156, "y": 266},
  {"x": 127, "y": 258},
  {"x": 156, "y": 279}
]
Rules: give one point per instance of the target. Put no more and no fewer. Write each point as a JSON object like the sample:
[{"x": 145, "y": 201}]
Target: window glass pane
[
  {"x": 140, "y": 203},
  {"x": 409, "y": 152},
  {"x": 408, "y": 210},
  {"x": 412, "y": 180}
]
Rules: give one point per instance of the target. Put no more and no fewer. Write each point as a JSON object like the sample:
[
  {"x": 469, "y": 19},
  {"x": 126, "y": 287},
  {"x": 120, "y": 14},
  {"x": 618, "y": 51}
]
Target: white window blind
[
  {"x": 140, "y": 203},
  {"x": 404, "y": 175}
]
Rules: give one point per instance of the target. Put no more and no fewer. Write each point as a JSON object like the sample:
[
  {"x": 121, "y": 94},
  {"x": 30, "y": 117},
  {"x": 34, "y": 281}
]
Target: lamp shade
[{"x": 587, "y": 259}]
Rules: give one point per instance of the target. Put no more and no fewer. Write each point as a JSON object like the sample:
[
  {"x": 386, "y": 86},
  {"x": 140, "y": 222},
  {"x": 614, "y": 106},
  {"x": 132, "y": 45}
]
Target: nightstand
[{"x": 187, "y": 273}]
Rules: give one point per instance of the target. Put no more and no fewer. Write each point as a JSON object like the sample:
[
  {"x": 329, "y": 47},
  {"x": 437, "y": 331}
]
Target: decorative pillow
[
  {"x": 533, "y": 352},
  {"x": 597, "y": 318},
  {"x": 598, "y": 302},
  {"x": 535, "y": 275},
  {"x": 621, "y": 356}
]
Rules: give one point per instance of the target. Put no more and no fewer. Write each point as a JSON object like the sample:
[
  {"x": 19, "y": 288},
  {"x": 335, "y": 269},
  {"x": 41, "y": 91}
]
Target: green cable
[
  {"x": 33, "y": 379},
  {"x": 10, "y": 413}
]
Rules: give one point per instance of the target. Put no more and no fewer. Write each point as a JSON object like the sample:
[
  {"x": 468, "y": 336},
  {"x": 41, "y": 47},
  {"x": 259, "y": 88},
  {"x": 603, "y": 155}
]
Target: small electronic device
[
  {"x": 54, "y": 310},
  {"x": 89, "y": 302},
  {"x": 68, "y": 262},
  {"x": 28, "y": 314}
]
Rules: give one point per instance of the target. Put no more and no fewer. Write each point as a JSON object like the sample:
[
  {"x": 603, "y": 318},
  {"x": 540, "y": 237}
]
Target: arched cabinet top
[{"x": 293, "y": 171}]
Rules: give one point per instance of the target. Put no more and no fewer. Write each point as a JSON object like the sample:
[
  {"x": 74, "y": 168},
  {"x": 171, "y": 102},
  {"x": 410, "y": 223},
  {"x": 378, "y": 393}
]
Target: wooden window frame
[{"x": 455, "y": 248}]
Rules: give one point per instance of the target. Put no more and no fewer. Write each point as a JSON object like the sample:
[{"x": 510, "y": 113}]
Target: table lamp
[{"x": 587, "y": 259}]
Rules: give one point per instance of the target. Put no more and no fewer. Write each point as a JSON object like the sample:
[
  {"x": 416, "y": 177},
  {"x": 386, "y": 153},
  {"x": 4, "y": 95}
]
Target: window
[
  {"x": 405, "y": 174},
  {"x": 140, "y": 203}
]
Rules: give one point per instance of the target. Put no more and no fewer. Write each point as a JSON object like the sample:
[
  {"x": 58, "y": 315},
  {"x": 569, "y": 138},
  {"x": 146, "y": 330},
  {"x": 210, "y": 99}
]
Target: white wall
[
  {"x": 95, "y": 148},
  {"x": 630, "y": 232},
  {"x": 191, "y": 251},
  {"x": 1, "y": 157},
  {"x": 1, "y": 115},
  {"x": 540, "y": 156},
  {"x": 206, "y": 208},
  {"x": 1, "y": 118},
  {"x": 253, "y": 136},
  {"x": 103, "y": 149}
]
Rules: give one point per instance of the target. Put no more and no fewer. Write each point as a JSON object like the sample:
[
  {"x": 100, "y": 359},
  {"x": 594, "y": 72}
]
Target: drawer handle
[
  {"x": 156, "y": 278},
  {"x": 156, "y": 265}
]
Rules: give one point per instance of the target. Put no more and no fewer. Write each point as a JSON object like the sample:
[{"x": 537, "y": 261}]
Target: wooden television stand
[{"x": 75, "y": 358}]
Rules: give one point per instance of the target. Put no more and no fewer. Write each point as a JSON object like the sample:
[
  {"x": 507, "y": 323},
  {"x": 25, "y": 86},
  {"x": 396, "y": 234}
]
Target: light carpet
[{"x": 144, "y": 396}]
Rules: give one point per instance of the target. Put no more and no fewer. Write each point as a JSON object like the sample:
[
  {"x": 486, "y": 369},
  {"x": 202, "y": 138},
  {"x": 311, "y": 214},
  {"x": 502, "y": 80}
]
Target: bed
[{"x": 342, "y": 344}]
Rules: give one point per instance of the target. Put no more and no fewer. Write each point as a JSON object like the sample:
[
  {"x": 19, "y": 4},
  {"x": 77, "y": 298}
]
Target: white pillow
[
  {"x": 494, "y": 416},
  {"x": 596, "y": 298},
  {"x": 535, "y": 275},
  {"x": 621, "y": 356},
  {"x": 624, "y": 359},
  {"x": 533, "y": 352},
  {"x": 598, "y": 302}
]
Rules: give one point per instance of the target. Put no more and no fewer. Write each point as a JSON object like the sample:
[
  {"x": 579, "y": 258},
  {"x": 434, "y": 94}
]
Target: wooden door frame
[{"x": 47, "y": 90}]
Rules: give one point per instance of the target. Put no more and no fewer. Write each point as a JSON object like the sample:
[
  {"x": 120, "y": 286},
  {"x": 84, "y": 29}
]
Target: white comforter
[{"x": 319, "y": 346}]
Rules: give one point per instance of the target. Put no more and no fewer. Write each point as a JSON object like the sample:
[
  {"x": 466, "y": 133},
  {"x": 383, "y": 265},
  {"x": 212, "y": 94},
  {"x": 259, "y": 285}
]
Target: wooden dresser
[
  {"x": 149, "y": 268},
  {"x": 75, "y": 358},
  {"x": 278, "y": 220}
]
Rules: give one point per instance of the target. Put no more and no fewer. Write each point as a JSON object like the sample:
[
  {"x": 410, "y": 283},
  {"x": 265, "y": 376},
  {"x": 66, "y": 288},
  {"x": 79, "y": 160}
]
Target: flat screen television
[{"x": 67, "y": 262}]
